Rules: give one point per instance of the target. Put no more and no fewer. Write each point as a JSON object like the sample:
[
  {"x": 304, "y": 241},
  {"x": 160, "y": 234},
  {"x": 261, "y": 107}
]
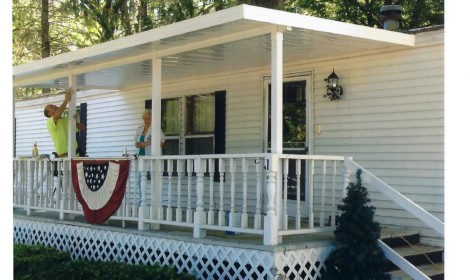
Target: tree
[
  {"x": 41, "y": 29},
  {"x": 416, "y": 13},
  {"x": 358, "y": 256}
]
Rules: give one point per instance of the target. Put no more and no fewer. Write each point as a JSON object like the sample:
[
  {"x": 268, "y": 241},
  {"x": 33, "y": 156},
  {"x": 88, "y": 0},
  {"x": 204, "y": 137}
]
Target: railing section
[
  {"x": 39, "y": 185},
  {"x": 263, "y": 194},
  {"x": 311, "y": 187},
  {"x": 257, "y": 194}
]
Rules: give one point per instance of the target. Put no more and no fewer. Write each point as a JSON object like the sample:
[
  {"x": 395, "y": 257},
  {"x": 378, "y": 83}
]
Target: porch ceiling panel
[{"x": 233, "y": 39}]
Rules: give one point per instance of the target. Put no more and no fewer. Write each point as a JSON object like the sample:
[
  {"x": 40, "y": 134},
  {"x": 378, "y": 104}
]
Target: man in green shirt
[{"x": 58, "y": 126}]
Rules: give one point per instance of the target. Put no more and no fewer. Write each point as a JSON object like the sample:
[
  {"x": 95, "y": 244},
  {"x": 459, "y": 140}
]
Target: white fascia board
[
  {"x": 328, "y": 26},
  {"x": 227, "y": 38},
  {"x": 167, "y": 31},
  {"x": 77, "y": 69}
]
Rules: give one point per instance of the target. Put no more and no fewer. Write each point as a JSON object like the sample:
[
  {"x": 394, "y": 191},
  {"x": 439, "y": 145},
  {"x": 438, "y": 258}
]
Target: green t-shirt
[{"x": 59, "y": 134}]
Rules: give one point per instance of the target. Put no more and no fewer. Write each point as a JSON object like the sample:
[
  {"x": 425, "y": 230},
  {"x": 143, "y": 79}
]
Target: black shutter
[
  {"x": 219, "y": 124},
  {"x": 148, "y": 104},
  {"x": 81, "y": 135},
  {"x": 219, "y": 128}
]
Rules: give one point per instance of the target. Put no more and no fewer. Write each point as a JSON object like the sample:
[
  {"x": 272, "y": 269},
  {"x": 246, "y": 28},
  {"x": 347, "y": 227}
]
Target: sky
[{"x": 457, "y": 137}]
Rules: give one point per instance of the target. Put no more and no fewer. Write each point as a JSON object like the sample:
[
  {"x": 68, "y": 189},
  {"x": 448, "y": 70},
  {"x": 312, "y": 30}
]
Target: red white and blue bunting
[{"x": 100, "y": 186}]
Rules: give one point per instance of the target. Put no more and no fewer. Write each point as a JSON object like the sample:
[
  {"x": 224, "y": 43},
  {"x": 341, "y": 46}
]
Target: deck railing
[{"x": 261, "y": 194}]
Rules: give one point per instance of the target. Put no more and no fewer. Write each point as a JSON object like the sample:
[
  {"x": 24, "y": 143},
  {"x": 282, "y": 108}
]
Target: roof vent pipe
[{"x": 390, "y": 15}]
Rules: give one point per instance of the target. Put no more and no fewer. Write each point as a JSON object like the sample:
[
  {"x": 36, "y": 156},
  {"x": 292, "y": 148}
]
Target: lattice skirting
[{"x": 206, "y": 261}]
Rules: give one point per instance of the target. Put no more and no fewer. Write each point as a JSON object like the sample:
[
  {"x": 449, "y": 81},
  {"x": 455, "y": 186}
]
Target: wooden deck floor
[{"x": 242, "y": 240}]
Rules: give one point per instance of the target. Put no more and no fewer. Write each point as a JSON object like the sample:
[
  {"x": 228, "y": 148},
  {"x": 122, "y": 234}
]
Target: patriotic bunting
[{"x": 100, "y": 186}]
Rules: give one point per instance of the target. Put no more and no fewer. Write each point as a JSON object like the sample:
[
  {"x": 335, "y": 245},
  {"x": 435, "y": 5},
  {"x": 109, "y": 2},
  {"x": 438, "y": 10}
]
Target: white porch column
[
  {"x": 271, "y": 221},
  {"x": 72, "y": 145},
  {"x": 276, "y": 91},
  {"x": 156, "y": 105},
  {"x": 156, "y": 135}
]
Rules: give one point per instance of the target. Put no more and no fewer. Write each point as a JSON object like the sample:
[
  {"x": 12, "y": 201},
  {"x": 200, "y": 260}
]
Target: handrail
[
  {"x": 402, "y": 263},
  {"x": 409, "y": 206},
  {"x": 398, "y": 198}
]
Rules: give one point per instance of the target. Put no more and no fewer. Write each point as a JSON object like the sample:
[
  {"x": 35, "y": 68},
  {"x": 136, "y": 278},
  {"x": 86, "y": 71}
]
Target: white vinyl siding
[{"x": 391, "y": 121}]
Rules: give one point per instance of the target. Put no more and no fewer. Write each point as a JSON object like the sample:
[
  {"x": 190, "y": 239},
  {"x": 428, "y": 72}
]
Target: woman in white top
[
  {"x": 142, "y": 139},
  {"x": 143, "y": 135}
]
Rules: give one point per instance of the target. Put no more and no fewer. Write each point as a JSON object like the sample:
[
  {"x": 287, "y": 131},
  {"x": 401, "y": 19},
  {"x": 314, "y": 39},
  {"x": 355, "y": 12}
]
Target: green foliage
[
  {"x": 416, "y": 13},
  {"x": 65, "y": 32},
  {"x": 42, "y": 262},
  {"x": 358, "y": 256},
  {"x": 30, "y": 261}
]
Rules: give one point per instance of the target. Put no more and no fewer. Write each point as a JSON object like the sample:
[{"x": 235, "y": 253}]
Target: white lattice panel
[{"x": 203, "y": 260}]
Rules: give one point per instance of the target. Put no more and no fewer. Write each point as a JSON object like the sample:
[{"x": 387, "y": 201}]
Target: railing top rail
[
  {"x": 212, "y": 156},
  {"x": 102, "y": 158},
  {"x": 257, "y": 155},
  {"x": 399, "y": 198},
  {"x": 68, "y": 159},
  {"x": 314, "y": 157},
  {"x": 37, "y": 159}
]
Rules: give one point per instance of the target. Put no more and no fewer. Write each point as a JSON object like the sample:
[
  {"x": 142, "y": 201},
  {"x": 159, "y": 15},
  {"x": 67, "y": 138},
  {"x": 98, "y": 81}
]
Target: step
[
  {"x": 433, "y": 271},
  {"x": 419, "y": 254},
  {"x": 428, "y": 259},
  {"x": 399, "y": 240}
]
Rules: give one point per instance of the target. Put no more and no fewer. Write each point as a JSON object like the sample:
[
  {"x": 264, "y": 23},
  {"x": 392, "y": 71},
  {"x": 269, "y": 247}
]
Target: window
[
  {"x": 171, "y": 126},
  {"x": 193, "y": 125},
  {"x": 200, "y": 119}
]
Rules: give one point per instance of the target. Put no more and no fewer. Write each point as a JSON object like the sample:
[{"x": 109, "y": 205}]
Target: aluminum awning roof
[{"x": 229, "y": 40}]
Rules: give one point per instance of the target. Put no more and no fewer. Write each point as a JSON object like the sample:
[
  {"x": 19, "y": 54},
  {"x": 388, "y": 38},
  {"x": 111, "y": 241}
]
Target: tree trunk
[
  {"x": 123, "y": 8},
  {"x": 144, "y": 21},
  {"x": 416, "y": 16},
  {"x": 45, "y": 40}
]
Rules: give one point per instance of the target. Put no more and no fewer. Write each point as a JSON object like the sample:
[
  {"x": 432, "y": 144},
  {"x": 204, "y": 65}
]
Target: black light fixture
[{"x": 333, "y": 89}]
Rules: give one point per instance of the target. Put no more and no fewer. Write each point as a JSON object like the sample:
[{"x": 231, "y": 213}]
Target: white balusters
[
  {"x": 285, "y": 175},
  {"x": 199, "y": 215},
  {"x": 179, "y": 211},
  {"x": 244, "y": 220},
  {"x": 221, "y": 192},
  {"x": 169, "y": 209},
  {"x": 143, "y": 208},
  {"x": 157, "y": 187},
  {"x": 323, "y": 190},
  {"x": 271, "y": 236},
  {"x": 189, "y": 170},
  {"x": 257, "y": 218},
  {"x": 30, "y": 190},
  {"x": 298, "y": 172},
  {"x": 333, "y": 196},
  {"x": 233, "y": 169},
  {"x": 210, "y": 213},
  {"x": 311, "y": 214}
]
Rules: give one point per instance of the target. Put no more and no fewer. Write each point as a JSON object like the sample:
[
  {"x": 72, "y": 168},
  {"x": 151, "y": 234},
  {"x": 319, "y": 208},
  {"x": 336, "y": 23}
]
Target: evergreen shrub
[{"x": 357, "y": 255}]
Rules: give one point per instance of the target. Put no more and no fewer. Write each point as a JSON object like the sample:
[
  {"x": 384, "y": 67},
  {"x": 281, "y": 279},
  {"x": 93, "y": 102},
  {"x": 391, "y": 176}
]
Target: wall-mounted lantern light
[{"x": 333, "y": 89}]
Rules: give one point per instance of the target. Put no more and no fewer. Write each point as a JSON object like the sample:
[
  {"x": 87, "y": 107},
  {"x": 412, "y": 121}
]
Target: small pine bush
[{"x": 357, "y": 256}]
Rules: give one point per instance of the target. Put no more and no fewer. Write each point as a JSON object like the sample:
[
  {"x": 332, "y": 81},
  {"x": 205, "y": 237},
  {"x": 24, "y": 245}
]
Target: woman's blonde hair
[{"x": 147, "y": 112}]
